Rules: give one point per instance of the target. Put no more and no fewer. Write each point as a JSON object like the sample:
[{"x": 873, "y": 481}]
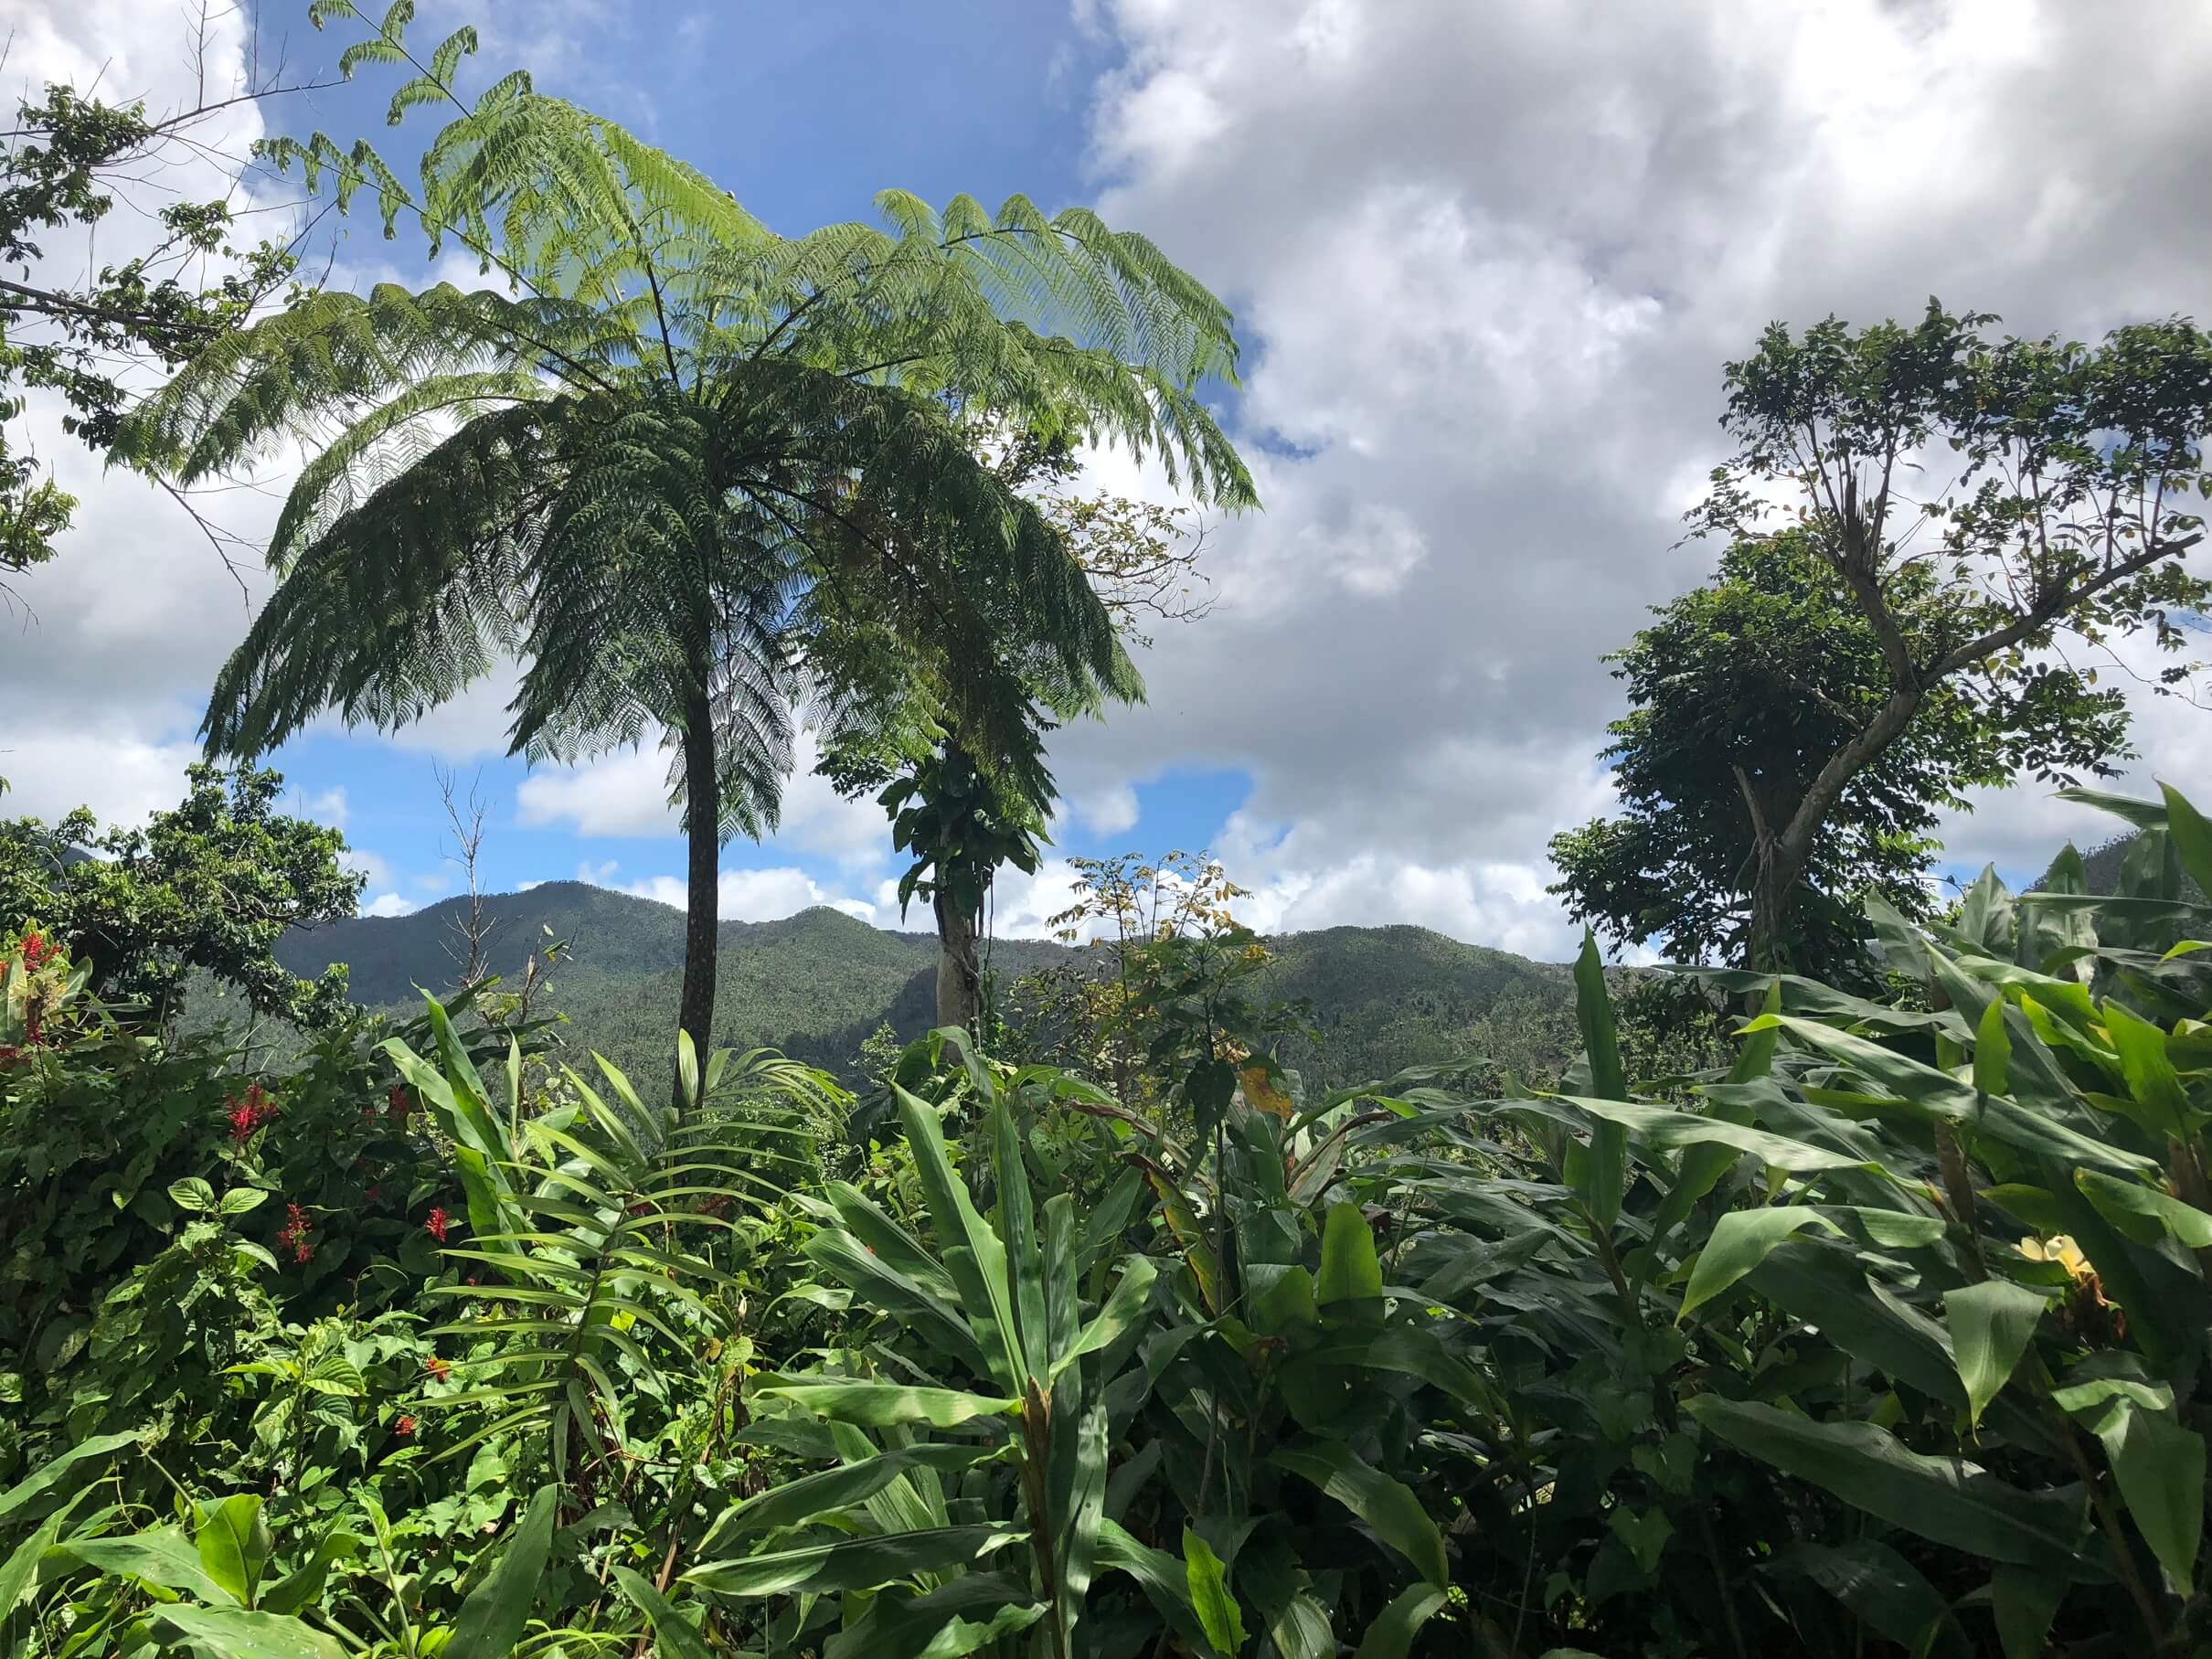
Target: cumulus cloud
[
  {"x": 1488, "y": 263},
  {"x": 763, "y": 895},
  {"x": 389, "y": 904},
  {"x": 626, "y": 793}
]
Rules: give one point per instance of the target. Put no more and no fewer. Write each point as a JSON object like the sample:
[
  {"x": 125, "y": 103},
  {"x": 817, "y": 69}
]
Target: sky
[{"x": 1486, "y": 263}]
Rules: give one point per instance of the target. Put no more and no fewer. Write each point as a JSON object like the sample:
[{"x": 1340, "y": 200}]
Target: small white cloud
[
  {"x": 431, "y": 885},
  {"x": 528, "y": 886},
  {"x": 374, "y": 870},
  {"x": 389, "y": 904},
  {"x": 329, "y": 807},
  {"x": 1112, "y": 811},
  {"x": 597, "y": 874},
  {"x": 764, "y": 895}
]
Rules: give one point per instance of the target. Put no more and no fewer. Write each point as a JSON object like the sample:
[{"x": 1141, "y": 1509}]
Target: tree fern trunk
[
  {"x": 702, "y": 819},
  {"x": 960, "y": 973}
]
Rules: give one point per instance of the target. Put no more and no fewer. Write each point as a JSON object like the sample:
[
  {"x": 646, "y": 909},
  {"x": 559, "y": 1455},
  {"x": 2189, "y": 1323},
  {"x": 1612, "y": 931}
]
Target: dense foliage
[
  {"x": 1983, "y": 501},
  {"x": 1888, "y": 1337},
  {"x": 1738, "y": 694},
  {"x": 213, "y": 885}
]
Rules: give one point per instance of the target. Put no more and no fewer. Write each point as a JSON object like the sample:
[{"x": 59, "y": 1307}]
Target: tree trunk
[
  {"x": 1775, "y": 879},
  {"x": 702, "y": 819},
  {"x": 960, "y": 975}
]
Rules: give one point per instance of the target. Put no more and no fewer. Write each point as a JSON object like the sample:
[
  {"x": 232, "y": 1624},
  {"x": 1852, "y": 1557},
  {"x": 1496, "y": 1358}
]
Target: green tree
[
  {"x": 685, "y": 469},
  {"x": 212, "y": 884},
  {"x": 2041, "y": 484},
  {"x": 71, "y": 160},
  {"x": 1739, "y": 694}
]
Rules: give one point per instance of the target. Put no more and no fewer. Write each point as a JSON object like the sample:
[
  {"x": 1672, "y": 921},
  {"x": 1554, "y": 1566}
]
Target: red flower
[
  {"x": 436, "y": 1367},
  {"x": 37, "y": 951},
  {"x": 374, "y": 1192},
  {"x": 250, "y": 1112},
  {"x": 438, "y": 1223},
  {"x": 405, "y": 1426},
  {"x": 400, "y": 1105},
  {"x": 292, "y": 1236}
]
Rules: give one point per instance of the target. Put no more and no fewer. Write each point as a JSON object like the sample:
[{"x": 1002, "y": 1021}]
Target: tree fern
[{"x": 688, "y": 471}]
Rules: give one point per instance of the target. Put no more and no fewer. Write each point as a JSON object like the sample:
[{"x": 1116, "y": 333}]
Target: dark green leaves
[
  {"x": 498, "y": 1611},
  {"x": 1385, "y": 1504}
]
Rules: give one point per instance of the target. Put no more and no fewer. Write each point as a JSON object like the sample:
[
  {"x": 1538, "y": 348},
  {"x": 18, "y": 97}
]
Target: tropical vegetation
[{"x": 1844, "y": 1289}]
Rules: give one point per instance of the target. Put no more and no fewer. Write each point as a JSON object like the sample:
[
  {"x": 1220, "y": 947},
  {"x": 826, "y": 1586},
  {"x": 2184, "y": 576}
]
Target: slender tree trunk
[
  {"x": 702, "y": 816},
  {"x": 1782, "y": 856},
  {"x": 960, "y": 973}
]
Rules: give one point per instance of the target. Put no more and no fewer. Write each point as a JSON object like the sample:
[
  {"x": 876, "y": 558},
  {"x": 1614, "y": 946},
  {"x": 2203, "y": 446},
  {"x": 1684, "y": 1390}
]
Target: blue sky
[{"x": 1486, "y": 263}]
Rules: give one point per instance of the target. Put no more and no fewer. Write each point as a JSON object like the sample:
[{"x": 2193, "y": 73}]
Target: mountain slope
[{"x": 818, "y": 984}]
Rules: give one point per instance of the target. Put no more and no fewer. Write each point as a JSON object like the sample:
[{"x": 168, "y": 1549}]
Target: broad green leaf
[
  {"x": 1605, "y": 1165},
  {"x": 2024, "y": 1602},
  {"x": 935, "y": 1626},
  {"x": 1667, "y": 1128},
  {"x": 21, "y": 1568},
  {"x": 1991, "y": 1324},
  {"x": 1160, "y": 1575},
  {"x": 492, "y": 1621},
  {"x": 673, "y": 1636},
  {"x": 2160, "y": 1467},
  {"x": 233, "y": 1542},
  {"x": 1219, "y": 1615},
  {"x": 235, "y": 1633},
  {"x": 792, "y": 1501},
  {"x": 192, "y": 1195},
  {"x": 43, "y": 1480},
  {"x": 161, "y": 1555},
  {"x": 1385, "y": 1504},
  {"x": 1946, "y": 1500},
  {"x": 1391, "y": 1634},
  {"x": 854, "y": 1564},
  {"x": 1992, "y": 1050},
  {"x": 240, "y": 1199},
  {"x": 877, "y": 1405},
  {"x": 2191, "y": 837},
  {"x": 2141, "y": 1048},
  {"x": 299, "y": 1587},
  {"x": 1349, "y": 1269},
  {"x": 1124, "y": 1305},
  {"x": 1876, "y": 1584},
  {"x": 973, "y": 1254},
  {"x": 1741, "y": 1240},
  {"x": 2143, "y": 1212}
]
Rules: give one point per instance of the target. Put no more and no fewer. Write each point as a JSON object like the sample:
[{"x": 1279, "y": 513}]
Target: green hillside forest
[
  {"x": 817, "y": 985},
  {"x": 622, "y": 1284}
]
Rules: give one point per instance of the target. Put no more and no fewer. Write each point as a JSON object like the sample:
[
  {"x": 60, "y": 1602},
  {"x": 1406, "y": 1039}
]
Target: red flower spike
[
  {"x": 405, "y": 1426},
  {"x": 438, "y": 1223}
]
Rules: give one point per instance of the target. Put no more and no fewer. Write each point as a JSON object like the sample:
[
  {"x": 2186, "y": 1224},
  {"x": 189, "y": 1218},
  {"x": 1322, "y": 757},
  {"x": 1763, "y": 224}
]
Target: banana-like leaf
[
  {"x": 798, "y": 1501},
  {"x": 1878, "y": 1585},
  {"x": 1991, "y": 1324},
  {"x": 974, "y": 1255},
  {"x": 1210, "y": 1598},
  {"x": 960, "y": 1617},
  {"x": 1350, "y": 1271},
  {"x": 2142, "y": 1213},
  {"x": 1741, "y": 1240},
  {"x": 1663, "y": 1128},
  {"x": 493, "y": 1617},
  {"x": 1162, "y": 1578},
  {"x": 234, "y": 1544},
  {"x": 2160, "y": 1467},
  {"x": 673, "y": 1636},
  {"x": 877, "y": 1405},
  {"x": 1946, "y": 1500},
  {"x": 236, "y": 1634},
  {"x": 1391, "y": 1634},
  {"x": 48, "y": 1474},
  {"x": 1604, "y": 1168},
  {"x": 161, "y": 1555},
  {"x": 853, "y": 1564},
  {"x": 1386, "y": 1503}
]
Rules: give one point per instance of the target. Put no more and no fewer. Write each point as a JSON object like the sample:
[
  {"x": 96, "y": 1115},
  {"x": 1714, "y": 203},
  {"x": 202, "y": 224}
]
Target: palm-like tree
[{"x": 683, "y": 470}]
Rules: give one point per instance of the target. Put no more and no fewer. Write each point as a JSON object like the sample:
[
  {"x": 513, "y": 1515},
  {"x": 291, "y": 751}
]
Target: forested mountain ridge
[{"x": 816, "y": 984}]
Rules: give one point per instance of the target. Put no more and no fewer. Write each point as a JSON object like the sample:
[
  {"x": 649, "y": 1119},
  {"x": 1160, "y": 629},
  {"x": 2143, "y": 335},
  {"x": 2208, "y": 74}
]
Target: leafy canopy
[
  {"x": 1740, "y": 692},
  {"x": 686, "y": 470}
]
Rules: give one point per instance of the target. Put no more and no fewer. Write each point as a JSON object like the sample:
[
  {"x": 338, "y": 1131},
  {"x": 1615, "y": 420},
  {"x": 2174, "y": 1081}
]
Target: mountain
[{"x": 817, "y": 985}]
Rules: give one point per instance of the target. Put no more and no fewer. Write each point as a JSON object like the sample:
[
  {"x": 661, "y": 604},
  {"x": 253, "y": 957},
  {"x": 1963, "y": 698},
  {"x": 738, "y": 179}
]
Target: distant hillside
[
  {"x": 818, "y": 984},
  {"x": 2102, "y": 864}
]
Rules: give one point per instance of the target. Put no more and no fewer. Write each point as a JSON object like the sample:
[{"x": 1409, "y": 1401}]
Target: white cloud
[
  {"x": 597, "y": 874},
  {"x": 626, "y": 793},
  {"x": 759, "y": 895},
  {"x": 1488, "y": 263},
  {"x": 371, "y": 867},
  {"x": 389, "y": 904},
  {"x": 330, "y": 807},
  {"x": 1112, "y": 811}
]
